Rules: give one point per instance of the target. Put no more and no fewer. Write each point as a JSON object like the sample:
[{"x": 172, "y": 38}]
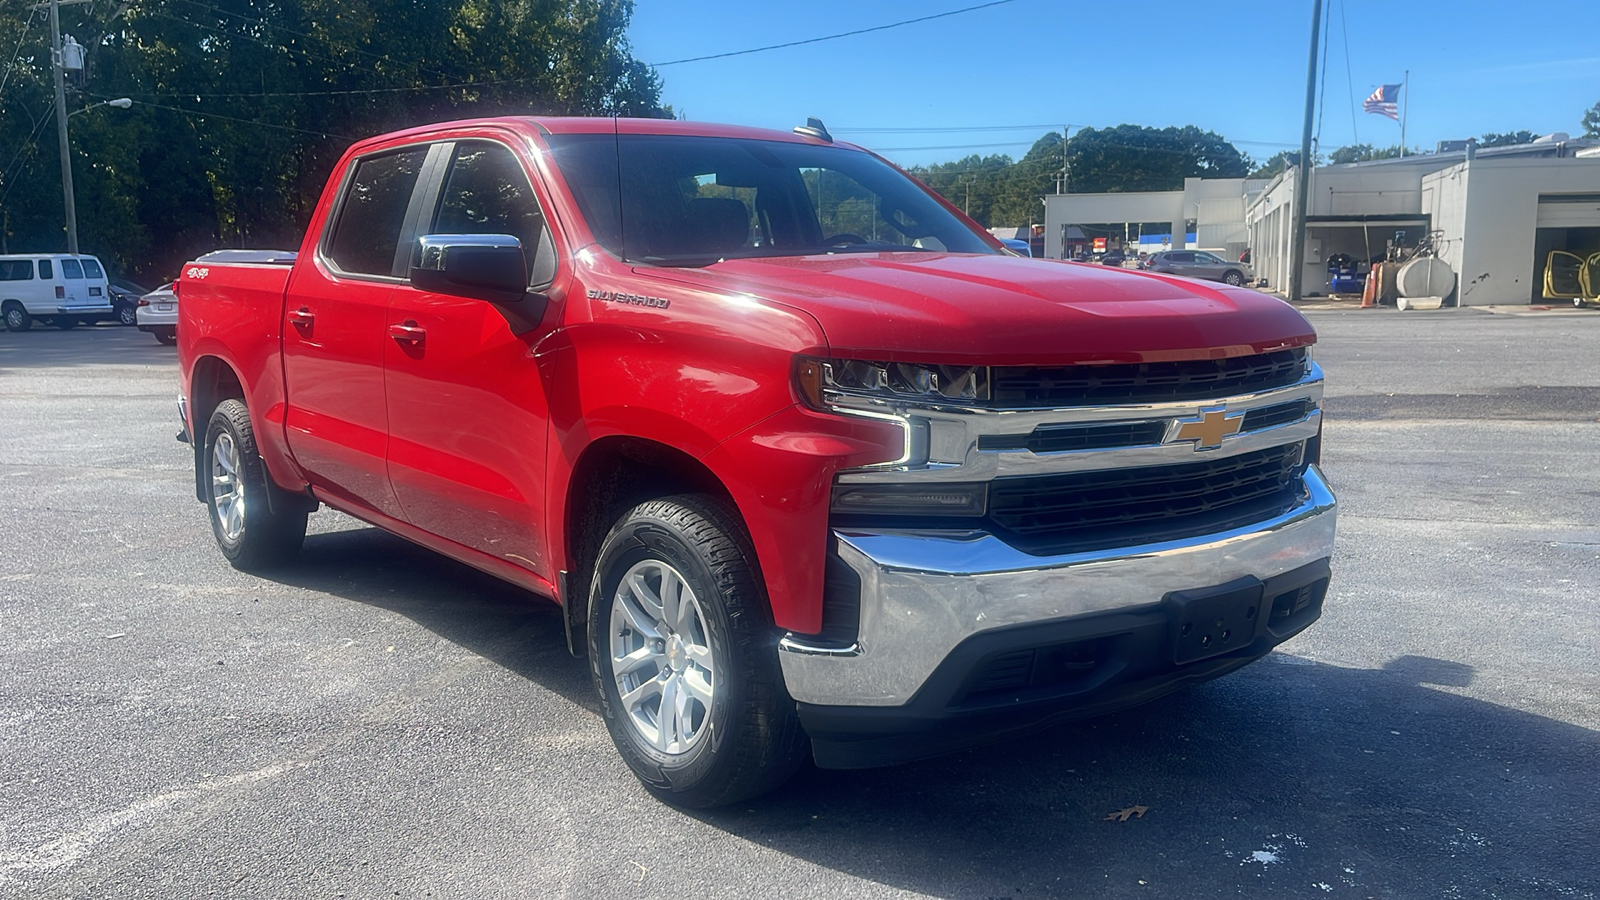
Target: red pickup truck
[{"x": 814, "y": 466}]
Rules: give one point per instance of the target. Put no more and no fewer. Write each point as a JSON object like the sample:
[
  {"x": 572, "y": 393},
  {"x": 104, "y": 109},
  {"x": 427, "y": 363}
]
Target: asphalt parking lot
[{"x": 379, "y": 721}]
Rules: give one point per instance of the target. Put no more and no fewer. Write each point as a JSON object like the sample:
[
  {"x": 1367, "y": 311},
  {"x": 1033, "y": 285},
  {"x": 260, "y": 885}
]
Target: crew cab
[{"x": 812, "y": 465}]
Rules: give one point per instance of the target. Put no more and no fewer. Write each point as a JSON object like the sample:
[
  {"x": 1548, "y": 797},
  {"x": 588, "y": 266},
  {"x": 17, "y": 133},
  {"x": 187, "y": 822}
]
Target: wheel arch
[
  {"x": 211, "y": 381},
  {"x": 614, "y": 474}
]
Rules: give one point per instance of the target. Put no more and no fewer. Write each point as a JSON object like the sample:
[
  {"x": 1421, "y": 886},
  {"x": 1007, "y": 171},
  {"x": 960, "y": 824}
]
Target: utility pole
[
  {"x": 61, "y": 125},
  {"x": 1302, "y": 178},
  {"x": 1405, "y": 108}
]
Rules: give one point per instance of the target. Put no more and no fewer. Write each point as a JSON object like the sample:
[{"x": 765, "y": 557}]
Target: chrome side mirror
[{"x": 485, "y": 266}]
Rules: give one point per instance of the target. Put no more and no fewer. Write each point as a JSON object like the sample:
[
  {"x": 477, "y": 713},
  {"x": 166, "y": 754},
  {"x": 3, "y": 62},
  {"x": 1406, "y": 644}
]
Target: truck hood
[{"x": 1002, "y": 310}]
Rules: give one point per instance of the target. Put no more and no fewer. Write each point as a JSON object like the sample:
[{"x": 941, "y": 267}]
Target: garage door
[{"x": 1569, "y": 211}]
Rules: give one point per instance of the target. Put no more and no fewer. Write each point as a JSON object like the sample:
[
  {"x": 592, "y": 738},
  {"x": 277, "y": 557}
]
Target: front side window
[
  {"x": 16, "y": 270},
  {"x": 71, "y": 269},
  {"x": 688, "y": 200},
  {"x": 487, "y": 192},
  {"x": 366, "y": 228}
]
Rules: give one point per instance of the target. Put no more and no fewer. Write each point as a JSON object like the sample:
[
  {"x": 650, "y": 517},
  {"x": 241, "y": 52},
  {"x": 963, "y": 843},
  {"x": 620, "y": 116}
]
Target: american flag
[{"x": 1382, "y": 101}]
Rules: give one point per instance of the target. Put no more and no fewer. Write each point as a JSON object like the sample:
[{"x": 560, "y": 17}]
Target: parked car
[
  {"x": 158, "y": 313},
  {"x": 125, "y": 300},
  {"x": 1021, "y": 247},
  {"x": 1113, "y": 258},
  {"x": 61, "y": 289},
  {"x": 1200, "y": 264}
]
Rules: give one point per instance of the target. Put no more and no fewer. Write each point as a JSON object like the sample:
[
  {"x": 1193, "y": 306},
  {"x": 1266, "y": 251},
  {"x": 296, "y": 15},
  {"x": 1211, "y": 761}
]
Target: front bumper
[{"x": 935, "y": 609}]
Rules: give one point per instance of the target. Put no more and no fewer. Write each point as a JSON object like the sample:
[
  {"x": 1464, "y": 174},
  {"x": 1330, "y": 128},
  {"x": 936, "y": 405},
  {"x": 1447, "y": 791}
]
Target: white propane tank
[{"x": 1425, "y": 276}]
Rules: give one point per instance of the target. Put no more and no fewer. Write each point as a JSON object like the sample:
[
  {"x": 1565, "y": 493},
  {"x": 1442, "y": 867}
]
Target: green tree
[
  {"x": 1278, "y": 162},
  {"x": 242, "y": 107},
  {"x": 1136, "y": 158},
  {"x": 1494, "y": 139},
  {"x": 1354, "y": 153},
  {"x": 1591, "y": 121}
]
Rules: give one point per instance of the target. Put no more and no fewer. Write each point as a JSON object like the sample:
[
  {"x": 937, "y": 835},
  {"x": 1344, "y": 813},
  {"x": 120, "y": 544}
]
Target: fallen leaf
[{"x": 1123, "y": 815}]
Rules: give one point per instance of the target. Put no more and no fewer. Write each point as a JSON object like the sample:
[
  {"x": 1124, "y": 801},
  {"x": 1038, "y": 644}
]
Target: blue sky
[{"x": 1237, "y": 68}]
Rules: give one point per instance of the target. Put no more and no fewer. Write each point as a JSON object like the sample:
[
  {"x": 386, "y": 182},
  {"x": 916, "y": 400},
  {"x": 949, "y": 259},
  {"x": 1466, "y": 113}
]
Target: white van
[{"x": 58, "y": 288}]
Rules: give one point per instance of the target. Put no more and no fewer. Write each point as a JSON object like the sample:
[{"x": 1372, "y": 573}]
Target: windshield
[{"x": 687, "y": 200}]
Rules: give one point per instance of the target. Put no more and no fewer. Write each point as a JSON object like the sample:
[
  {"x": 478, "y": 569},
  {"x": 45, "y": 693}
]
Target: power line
[
  {"x": 1048, "y": 126},
  {"x": 30, "y": 143},
  {"x": 830, "y": 37},
  {"x": 1349, "y": 83},
  {"x": 955, "y": 147},
  {"x": 394, "y": 90},
  {"x": 204, "y": 114},
  {"x": 16, "y": 54}
]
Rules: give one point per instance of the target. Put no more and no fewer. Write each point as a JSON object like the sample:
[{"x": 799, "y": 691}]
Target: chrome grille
[
  {"x": 1158, "y": 382},
  {"x": 1088, "y": 510}
]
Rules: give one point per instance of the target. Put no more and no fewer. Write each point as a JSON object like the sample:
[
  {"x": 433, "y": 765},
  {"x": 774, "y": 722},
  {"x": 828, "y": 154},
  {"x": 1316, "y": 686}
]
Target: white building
[
  {"x": 1210, "y": 209},
  {"x": 1494, "y": 215}
]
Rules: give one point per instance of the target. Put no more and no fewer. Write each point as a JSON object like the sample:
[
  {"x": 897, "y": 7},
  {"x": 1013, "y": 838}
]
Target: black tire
[
  {"x": 1233, "y": 278},
  {"x": 128, "y": 315},
  {"x": 168, "y": 336},
  {"x": 263, "y": 537},
  {"x": 17, "y": 318},
  {"x": 749, "y": 740},
  {"x": 65, "y": 323}
]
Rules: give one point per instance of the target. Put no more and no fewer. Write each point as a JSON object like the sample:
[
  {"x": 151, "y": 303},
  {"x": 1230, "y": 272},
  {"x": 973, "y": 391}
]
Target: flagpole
[{"x": 1405, "y": 108}]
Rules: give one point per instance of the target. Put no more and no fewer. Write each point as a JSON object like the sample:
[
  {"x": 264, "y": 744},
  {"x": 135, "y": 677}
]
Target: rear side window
[
  {"x": 16, "y": 270},
  {"x": 366, "y": 229},
  {"x": 91, "y": 269},
  {"x": 71, "y": 269},
  {"x": 46, "y": 270}
]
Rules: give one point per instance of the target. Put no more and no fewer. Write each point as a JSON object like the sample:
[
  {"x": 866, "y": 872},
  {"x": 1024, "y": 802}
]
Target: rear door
[
  {"x": 336, "y": 310},
  {"x": 468, "y": 414}
]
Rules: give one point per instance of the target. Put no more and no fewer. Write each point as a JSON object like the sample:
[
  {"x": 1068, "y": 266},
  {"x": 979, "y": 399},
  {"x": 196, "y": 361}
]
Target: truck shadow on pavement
[{"x": 1290, "y": 778}]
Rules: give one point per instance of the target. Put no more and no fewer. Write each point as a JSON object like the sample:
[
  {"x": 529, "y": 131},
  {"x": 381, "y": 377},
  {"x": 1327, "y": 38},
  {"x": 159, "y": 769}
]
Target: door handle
[
  {"x": 302, "y": 318},
  {"x": 408, "y": 332}
]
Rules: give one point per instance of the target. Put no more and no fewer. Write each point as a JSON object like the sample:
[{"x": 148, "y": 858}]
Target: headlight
[{"x": 823, "y": 382}]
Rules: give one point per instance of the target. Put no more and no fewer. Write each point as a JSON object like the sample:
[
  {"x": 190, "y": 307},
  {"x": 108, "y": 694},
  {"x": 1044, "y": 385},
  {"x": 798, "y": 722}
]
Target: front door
[
  {"x": 467, "y": 409},
  {"x": 334, "y": 334}
]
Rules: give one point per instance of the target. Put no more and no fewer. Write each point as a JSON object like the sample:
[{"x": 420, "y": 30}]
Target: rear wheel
[
  {"x": 249, "y": 533},
  {"x": 17, "y": 318},
  {"x": 168, "y": 336},
  {"x": 684, "y": 656},
  {"x": 128, "y": 315}
]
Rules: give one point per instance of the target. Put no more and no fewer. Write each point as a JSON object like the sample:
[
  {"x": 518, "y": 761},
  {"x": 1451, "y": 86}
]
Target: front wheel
[
  {"x": 250, "y": 534},
  {"x": 1233, "y": 278},
  {"x": 128, "y": 315},
  {"x": 684, "y": 656}
]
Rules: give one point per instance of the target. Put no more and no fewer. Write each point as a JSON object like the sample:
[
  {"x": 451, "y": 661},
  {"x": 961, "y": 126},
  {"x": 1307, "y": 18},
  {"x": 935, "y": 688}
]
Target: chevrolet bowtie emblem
[{"x": 1208, "y": 430}]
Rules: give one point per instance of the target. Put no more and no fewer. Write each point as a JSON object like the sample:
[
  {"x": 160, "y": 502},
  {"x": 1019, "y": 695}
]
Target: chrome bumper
[
  {"x": 922, "y": 595},
  {"x": 82, "y": 310}
]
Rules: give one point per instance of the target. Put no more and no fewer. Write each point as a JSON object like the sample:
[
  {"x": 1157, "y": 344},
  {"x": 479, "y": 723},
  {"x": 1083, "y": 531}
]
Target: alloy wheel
[
  {"x": 227, "y": 490},
  {"x": 661, "y": 657}
]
